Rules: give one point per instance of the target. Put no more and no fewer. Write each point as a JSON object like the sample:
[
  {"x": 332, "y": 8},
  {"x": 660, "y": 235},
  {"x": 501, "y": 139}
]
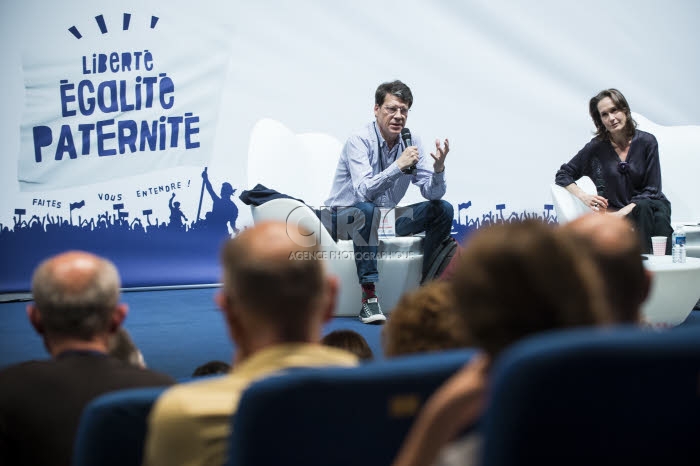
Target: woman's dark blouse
[{"x": 639, "y": 178}]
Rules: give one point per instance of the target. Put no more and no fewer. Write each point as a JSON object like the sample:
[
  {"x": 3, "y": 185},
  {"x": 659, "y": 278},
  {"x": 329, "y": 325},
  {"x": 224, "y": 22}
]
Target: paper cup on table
[{"x": 658, "y": 244}]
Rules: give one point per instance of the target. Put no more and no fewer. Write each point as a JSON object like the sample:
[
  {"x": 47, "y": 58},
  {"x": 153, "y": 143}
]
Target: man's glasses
[{"x": 393, "y": 110}]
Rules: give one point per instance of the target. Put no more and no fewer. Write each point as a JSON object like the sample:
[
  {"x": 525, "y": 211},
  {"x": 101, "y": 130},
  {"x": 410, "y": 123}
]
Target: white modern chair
[
  {"x": 302, "y": 166},
  {"x": 679, "y": 152},
  {"x": 566, "y": 205}
]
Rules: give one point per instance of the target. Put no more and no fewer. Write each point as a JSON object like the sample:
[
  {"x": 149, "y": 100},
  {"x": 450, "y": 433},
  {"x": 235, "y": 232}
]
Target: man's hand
[
  {"x": 440, "y": 155},
  {"x": 407, "y": 158}
]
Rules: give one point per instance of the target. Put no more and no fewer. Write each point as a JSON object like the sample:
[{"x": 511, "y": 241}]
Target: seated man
[
  {"x": 375, "y": 169},
  {"x": 275, "y": 298},
  {"x": 76, "y": 310}
]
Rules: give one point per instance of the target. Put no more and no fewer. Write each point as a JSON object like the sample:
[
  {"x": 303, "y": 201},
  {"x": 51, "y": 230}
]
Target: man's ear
[
  {"x": 332, "y": 287},
  {"x": 376, "y": 110},
  {"x": 225, "y": 306},
  {"x": 35, "y": 318},
  {"x": 221, "y": 301},
  {"x": 228, "y": 309},
  {"x": 118, "y": 317}
]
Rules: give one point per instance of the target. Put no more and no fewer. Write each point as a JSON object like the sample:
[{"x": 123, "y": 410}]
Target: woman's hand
[
  {"x": 455, "y": 405},
  {"x": 461, "y": 397},
  {"x": 595, "y": 202}
]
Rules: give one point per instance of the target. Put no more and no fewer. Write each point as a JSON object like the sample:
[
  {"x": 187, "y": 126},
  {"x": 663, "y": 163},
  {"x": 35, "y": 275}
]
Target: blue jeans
[{"x": 432, "y": 217}]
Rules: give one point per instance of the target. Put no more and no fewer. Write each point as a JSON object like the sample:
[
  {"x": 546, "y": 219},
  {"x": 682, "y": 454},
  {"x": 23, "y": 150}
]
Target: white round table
[{"x": 675, "y": 290}]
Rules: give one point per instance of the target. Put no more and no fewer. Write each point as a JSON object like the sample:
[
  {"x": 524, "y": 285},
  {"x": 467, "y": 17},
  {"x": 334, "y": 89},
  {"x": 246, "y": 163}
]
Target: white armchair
[
  {"x": 302, "y": 166},
  {"x": 679, "y": 147},
  {"x": 566, "y": 205}
]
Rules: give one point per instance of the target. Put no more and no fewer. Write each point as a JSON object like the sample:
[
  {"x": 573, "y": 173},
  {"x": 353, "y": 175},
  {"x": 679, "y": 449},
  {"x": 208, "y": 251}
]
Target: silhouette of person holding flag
[{"x": 223, "y": 209}]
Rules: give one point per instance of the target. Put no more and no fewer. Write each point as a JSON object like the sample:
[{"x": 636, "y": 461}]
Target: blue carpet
[{"x": 176, "y": 330}]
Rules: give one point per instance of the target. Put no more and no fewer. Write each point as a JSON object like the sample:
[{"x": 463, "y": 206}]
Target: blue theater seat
[
  {"x": 337, "y": 416},
  {"x": 591, "y": 397},
  {"x": 112, "y": 428}
]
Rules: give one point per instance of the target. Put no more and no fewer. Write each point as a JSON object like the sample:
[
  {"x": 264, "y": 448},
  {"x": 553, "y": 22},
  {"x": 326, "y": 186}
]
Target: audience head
[
  {"x": 122, "y": 347},
  {"x": 517, "y": 279},
  {"x": 424, "y": 320},
  {"x": 620, "y": 102},
  {"x": 212, "y": 368},
  {"x": 76, "y": 301},
  {"x": 351, "y": 341},
  {"x": 275, "y": 289},
  {"x": 617, "y": 251}
]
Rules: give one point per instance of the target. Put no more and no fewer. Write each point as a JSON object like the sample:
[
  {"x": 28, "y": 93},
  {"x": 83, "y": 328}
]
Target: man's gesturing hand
[{"x": 440, "y": 155}]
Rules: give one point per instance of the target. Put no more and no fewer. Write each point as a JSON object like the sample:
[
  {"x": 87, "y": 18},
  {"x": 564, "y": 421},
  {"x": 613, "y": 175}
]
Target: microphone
[{"x": 406, "y": 137}]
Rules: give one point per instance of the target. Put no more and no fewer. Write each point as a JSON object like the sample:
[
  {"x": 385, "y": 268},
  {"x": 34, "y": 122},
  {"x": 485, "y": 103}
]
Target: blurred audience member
[
  {"x": 618, "y": 253},
  {"x": 122, "y": 347},
  {"x": 349, "y": 340},
  {"x": 512, "y": 281},
  {"x": 273, "y": 331},
  {"x": 212, "y": 368},
  {"x": 76, "y": 311},
  {"x": 424, "y": 320}
]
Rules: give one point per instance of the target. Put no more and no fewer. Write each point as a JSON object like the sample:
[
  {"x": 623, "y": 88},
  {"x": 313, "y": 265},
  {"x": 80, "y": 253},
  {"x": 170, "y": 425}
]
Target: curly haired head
[{"x": 424, "y": 320}]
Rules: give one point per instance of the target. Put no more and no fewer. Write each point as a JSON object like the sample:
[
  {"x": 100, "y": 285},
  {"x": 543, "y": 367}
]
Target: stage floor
[{"x": 176, "y": 330}]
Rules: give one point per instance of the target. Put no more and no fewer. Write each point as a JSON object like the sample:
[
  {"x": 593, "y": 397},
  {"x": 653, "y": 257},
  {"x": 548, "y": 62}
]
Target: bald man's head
[
  {"x": 617, "y": 250},
  {"x": 609, "y": 234},
  {"x": 268, "y": 273},
  {"x": 76, "y": 294}
]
